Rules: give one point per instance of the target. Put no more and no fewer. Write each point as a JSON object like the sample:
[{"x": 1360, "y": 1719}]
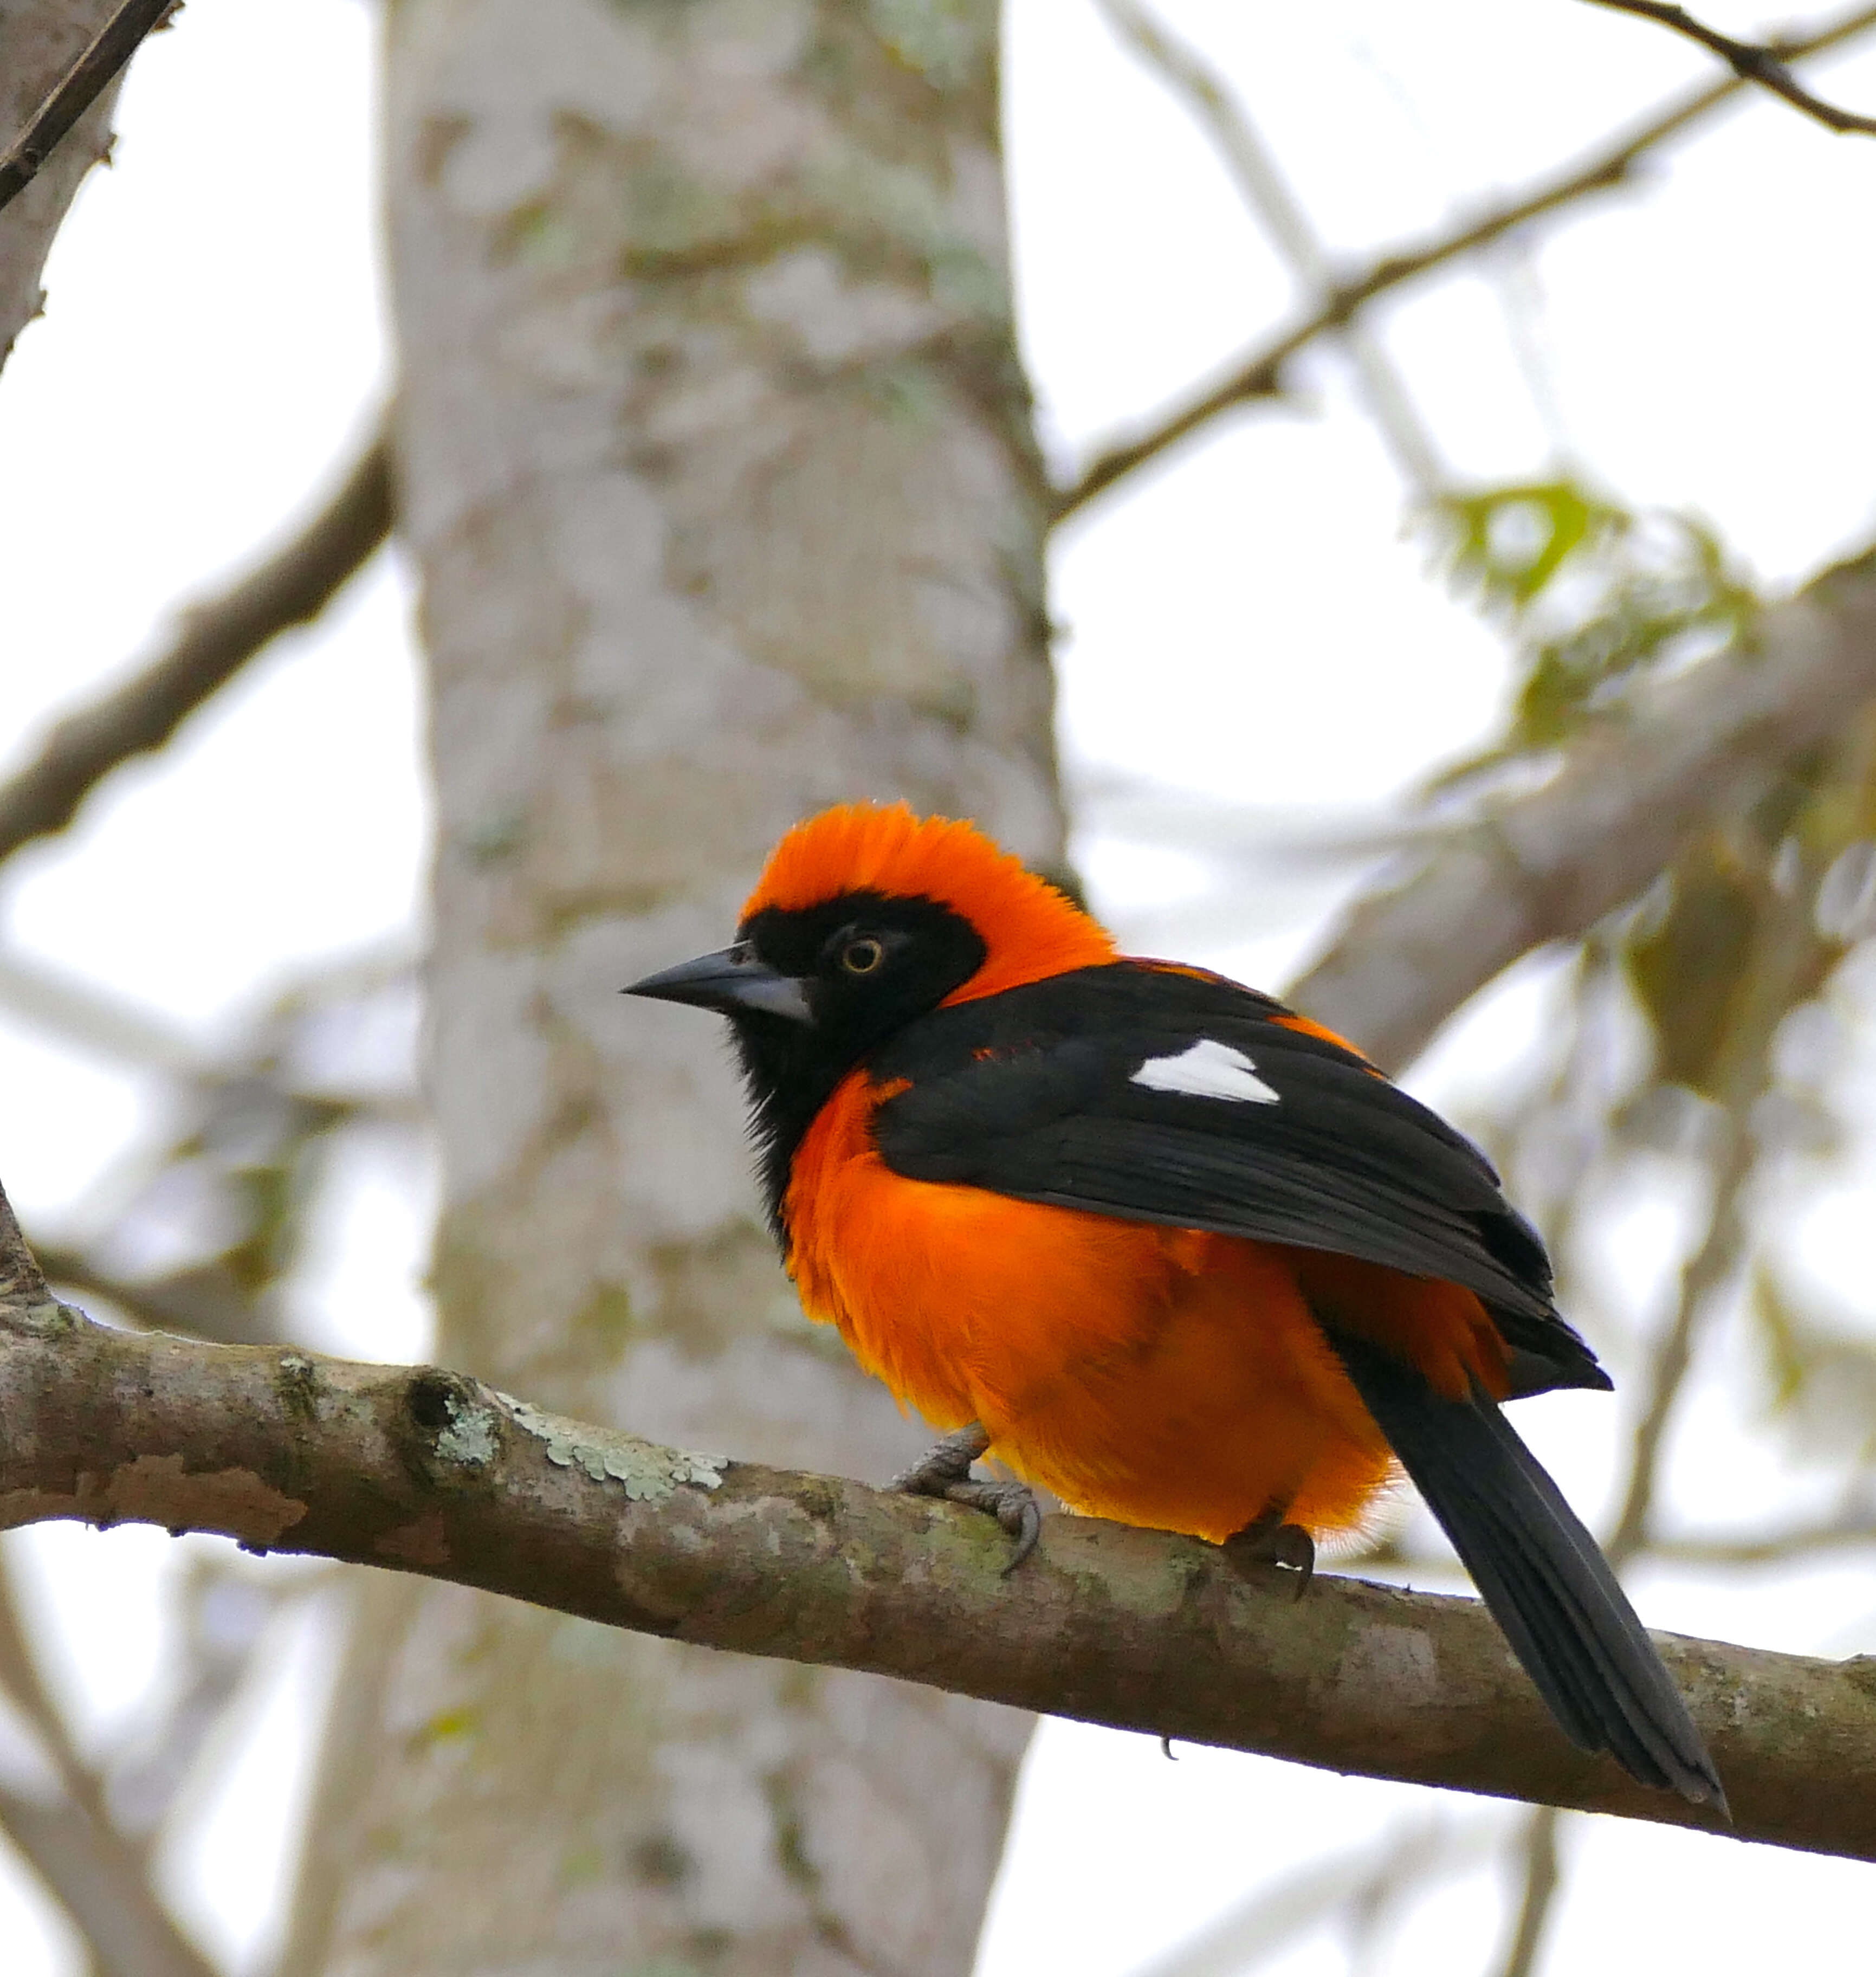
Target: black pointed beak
[{"x": 732, "y": 980}]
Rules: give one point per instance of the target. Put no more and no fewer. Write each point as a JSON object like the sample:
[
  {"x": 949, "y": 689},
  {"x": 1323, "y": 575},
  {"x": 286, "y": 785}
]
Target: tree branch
[
  {"x": 1546, "y": 865},
  {"x": 426, "y": 1471},
  {"x": 98, "y": 1879},
  {"x": 1366, "y": 1877},
  {"x": 80, "y": 87},
  {"x": 1539, "y": 1885},
  {"x": 1261, "y": 183},
  {"x": 1752, "y": 61},
  {"x": 1260, "y": 375},
  {"x": 216, "y": 640},
  {"x": 39, "y": 41},
  {"x": 1786, "y": 1547}
]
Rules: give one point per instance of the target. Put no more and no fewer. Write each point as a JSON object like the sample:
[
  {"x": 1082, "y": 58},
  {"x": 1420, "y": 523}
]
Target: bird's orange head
[
  {"x": 865, "y": 917},
  {"x": 862, "y": 858}
]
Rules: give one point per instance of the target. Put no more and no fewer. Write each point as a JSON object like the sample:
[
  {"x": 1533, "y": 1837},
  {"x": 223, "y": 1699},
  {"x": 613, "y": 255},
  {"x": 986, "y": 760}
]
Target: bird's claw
[
  {"x": 1013, "y": 1506},
  {"x": 944, "y": 1470},
  {"x": 1271, "y": 1540}
]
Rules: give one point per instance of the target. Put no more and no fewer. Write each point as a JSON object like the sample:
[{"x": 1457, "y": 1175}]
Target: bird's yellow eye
[{"x": 861, "y": 956}]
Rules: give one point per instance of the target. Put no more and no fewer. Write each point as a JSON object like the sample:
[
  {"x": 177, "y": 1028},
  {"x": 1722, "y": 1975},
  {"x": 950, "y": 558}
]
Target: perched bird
[{"x": 1174, "y": 1252}]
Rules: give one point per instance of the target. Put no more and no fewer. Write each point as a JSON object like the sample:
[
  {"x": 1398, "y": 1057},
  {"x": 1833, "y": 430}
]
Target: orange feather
[{"x": 1163, "y": 1377}]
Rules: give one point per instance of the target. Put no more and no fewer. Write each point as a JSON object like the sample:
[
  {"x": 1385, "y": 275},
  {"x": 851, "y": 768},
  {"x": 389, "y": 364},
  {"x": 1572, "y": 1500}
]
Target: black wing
[
  {"x": 1158, "y": 1095},
  {"x": 1102, "y": 1090}
]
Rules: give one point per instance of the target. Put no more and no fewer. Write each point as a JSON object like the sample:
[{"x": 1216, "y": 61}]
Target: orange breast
[{"x": 1163, "y": 1377}]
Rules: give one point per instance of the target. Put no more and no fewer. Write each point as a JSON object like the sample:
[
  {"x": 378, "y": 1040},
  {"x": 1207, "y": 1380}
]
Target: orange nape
[{"x": 1163, "y": 1377}]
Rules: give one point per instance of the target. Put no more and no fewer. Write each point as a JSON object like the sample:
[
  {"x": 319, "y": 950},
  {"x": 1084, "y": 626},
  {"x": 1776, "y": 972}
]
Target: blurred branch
[
  {"x": 1540, "y": 1891},
  {"x": 1752, "y": 61},
  {"x": 51, "y": 1810},
  {"x": 21, "y": 1681},
  {"x": 198, "y": 1228},
  {"x": 425, "y": 1471},
  {"x": 80, "y": 87},
  {"x": 1546, "y": 865},
  {"x": 229, "y": 1608},
  {"x": 1276, "y": 1917},
  {"x": 1785, "y": 1547},
  {"x": 97, "y": 1878},
  {"x": 1190, "y": 78},
  {"x": 1260, "y": 375},
  {"x": 80, "y": 1012},
  {"x": 216, "y": 640},
  {"x": 204, "y": 1302},
  {"x": 1705, "y": 1273}
]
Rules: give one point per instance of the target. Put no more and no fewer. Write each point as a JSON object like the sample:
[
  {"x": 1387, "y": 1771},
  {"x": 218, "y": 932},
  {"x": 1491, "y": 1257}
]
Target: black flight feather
[{"x": 1540, "y": 1572}]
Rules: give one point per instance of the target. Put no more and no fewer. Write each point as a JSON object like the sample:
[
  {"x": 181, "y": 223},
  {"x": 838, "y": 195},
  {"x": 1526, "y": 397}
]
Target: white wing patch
[{"x": 1208, "y": 1070}]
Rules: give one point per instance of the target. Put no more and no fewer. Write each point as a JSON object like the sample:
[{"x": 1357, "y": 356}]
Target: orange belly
[{"x": 1164, "y": 1377}]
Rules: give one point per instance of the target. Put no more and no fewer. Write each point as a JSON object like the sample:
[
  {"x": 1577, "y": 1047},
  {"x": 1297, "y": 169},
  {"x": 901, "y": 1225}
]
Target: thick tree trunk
[{"x": 716, "y": 460}]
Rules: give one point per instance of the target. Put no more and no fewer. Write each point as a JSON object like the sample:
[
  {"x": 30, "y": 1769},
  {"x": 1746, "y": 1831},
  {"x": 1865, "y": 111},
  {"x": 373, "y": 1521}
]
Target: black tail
[{"x": 1540, "y": 1574}]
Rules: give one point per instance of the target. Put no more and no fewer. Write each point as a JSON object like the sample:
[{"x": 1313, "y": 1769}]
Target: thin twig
[
  {"x": 58, "y": 1822},
  {"x": 77, "y": 89},
  {"x": 1261, "y": 374},
  {"x": 1711, "y": 1265},
  {"x": 1277, "y": 1915},
  {"x": 1773, "y": 1548},
  {"x": 208, "y": 1301},
  {"x": 97, "y": 1020},
  {"x": 1261, "y": 182},
  {"x": 1753, "y": 61},
  {"x": 216, "y": 640},
  {"x": 21, "y": 1681},
  {"x": 1540, "y": 1892}
]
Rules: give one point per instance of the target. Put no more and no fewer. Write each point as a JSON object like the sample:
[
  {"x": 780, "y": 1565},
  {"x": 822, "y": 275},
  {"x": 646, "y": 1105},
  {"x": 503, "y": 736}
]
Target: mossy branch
[{"x": 425, "y": 1471}]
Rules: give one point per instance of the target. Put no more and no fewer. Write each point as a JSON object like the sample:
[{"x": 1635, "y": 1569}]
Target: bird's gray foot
[{"x": 945, "y": 1471}]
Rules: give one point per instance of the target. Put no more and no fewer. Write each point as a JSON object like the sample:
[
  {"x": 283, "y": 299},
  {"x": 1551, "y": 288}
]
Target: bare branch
[
  {"x": 97, "y": 1877},
  {"x": 80, "y": 87},
  {"x": 1789, "y": 1546},
  {"x": 19, "y": 1678},
  {"x": 205, "y": 1301},
  {"x": 1540, "y": 1882},
  {"x": 51, "y": 1808},
  {"x": 94, "y": 1018},
  {"x": 1546, "y": 865},
  {"x": 39, "y": 41},
  {"x": 428, "y": 1472},
  {"x": 1752, "y": 61},
  {"x": 1709, "y": 1267},
  {"x": 1260, "y": 375},
  {"x": 1273, "y": 1918},
  {"x": 216, "y": 641},
  {"x": 1205, "y": 94}
]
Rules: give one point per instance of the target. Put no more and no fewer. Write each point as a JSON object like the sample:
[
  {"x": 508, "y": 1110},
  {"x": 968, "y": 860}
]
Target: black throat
[{"x": 791, "y": 1069}]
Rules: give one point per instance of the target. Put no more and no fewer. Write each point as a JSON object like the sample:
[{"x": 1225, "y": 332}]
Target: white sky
[{"x": 1247, "y": 623}]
